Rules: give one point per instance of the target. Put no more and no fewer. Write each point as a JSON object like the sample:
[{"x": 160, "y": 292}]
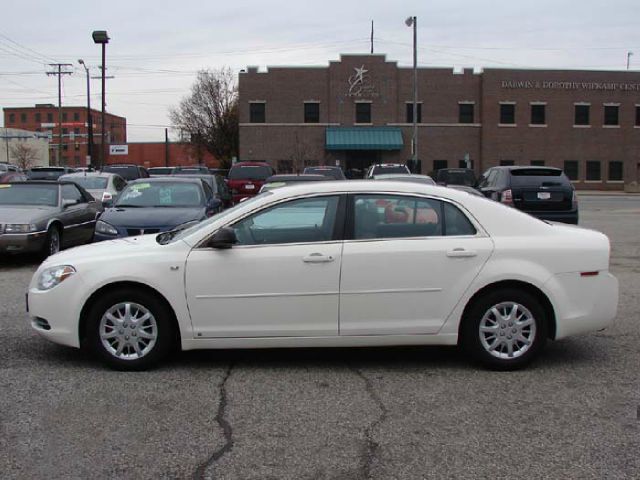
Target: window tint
[
  {"x": 119, "y": 183},
  {"x": 456, "y": 222},
  {"x": 297, "y": 221},
  {"x": 208, "y": 192},
  {"x": 70, "y": 192}
]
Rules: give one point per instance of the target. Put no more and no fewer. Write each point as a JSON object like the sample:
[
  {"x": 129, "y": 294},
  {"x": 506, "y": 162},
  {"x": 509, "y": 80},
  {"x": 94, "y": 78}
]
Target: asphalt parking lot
[{"x": 330, "y": 414}]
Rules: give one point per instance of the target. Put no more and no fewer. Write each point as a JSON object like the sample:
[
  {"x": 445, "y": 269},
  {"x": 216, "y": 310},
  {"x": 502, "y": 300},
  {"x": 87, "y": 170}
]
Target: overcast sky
[{"x": 157, "y": 46}]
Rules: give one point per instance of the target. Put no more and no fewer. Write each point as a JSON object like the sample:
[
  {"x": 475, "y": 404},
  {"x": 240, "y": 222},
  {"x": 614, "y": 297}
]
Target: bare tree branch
[{"x": 24, "y": 155}]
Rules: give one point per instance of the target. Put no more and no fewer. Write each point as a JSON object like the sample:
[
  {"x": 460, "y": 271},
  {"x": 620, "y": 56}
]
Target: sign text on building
[
  {"x": 118, "y": 149},
  {"x": 558, "y": 85}
]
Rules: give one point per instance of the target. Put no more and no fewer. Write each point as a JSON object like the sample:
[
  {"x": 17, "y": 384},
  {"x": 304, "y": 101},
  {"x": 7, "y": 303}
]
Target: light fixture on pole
[
  {"x": 89, "y": 117},
  {"x": 413, "y": 22},
  {"x": 101, "y": 37}
]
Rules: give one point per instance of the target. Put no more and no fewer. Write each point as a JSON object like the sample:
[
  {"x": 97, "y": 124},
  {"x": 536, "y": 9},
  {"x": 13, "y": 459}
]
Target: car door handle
[
  {"x": 461, "y": 253},
  {"x": 317, "y": 258}
]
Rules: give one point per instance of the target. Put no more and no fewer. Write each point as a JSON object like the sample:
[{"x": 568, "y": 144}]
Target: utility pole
[
  {"x": 59, "y": 72},
  {"x": 89, "y": 117},
  {"x": 413, "y": 21},
  {"x": 371, "y": 37},
  {"x": 166, "y": 147},
  {"x": 628, "y": 58}
]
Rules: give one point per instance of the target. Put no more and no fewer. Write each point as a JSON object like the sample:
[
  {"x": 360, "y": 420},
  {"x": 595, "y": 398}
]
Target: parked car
[
  {"x": 127, "y": 171},
  {"x": 13, "y": 176},
  {"x": 223, "y": 172},
  {"x": 465, "y": 188},
  {"x": 456, "y": 176},
  {"x": 45, "y": 216},
  {"x": 544, "y": 192},
  {"x": 277, "y": 181},
  {"x": 219, "y": 187},
  {"x": 48, "y": 173},
  {"x": 8, "y": 167},
  {"x": 190, "y": 170},
  {"x": 412, "y": 265},
  {"x": 380, "y": 168},
  {"x": 335, "y": 173},
  {"x": 104, "y": 187},
  {"x": 404, "y": 177},
  {"x": 159, "y": 171},
  {"x": 157, "y": 205},
  {"x": 246, "y": 178}
]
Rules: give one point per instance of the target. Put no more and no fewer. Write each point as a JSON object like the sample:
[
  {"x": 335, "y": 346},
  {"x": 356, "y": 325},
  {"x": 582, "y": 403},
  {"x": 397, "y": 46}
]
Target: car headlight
[
  {"x": 50, "y": 277},
  {"x": 20, "y": 228},
  {"x": 104, "y": 227}
]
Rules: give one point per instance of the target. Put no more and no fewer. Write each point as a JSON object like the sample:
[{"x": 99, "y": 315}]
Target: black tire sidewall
[
  {"x": 166, "y": 335},
  {"x": 470, "y": 338},
  {"x": 46, "y": 251}
]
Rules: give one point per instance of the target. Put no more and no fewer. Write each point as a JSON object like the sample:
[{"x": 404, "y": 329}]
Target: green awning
[{"x": 364, "y": 138}]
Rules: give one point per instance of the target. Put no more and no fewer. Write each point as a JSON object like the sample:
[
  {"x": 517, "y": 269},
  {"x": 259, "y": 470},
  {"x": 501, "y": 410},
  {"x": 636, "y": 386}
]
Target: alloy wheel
[{"x": 128, "y": 331}]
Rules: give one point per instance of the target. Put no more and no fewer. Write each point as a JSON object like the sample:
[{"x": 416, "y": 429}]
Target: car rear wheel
[
  {"x": 130, "y": 330},
  {"x": 505, "y": 329},
  {"x": 53, "y": 242}
]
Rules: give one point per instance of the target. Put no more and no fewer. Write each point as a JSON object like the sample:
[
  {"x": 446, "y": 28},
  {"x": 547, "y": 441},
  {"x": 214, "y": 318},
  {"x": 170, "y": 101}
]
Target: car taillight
[
  {"x": 507, "y": 197},
  {"x": 106, "y": 196}
]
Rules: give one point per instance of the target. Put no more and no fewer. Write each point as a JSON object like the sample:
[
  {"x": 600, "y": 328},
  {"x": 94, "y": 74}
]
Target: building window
[
  {"x": 438, "y": 164},
  {"x": 311, "y": 112},
  {"x": 76, "y": 116},
  {"x": 38, "y": 117},
  {"x": 49, "y": 117},
  {"x": 257, "y": 112},
  {"x": 615, "y": 171},
  {"x": 581, "y": 116},
  {"x": 65, "y": 147},
  {"x": 611, "y": 114},
  {"x": 65, "y": 131},
  {"x": 637, "y": 115},
  {"x": 23, "y": 118},
  {"x": 64, "y": 116},
  {"x": 363, "y": 112},
  {"x": 463, "y": 164},
  {"x": 537, "y": 163},
  {"x": 538, "y": 114},
  {"x": 593, "y": 171},
  {"x": 507, "y": 163},
  {"x": 507, "y": 113},
  {"x": 465, "y": 112},
  {"x": 409, "y": 107},
  {"x": 12, "y": 118},
  {"x": 571, "y": 169}
]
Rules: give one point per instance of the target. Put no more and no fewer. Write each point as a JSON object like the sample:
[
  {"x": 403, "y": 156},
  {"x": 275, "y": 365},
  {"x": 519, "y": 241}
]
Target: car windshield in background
[
  {"x": 160, "y": 170},
  {"x": 390, "y": 169},
  {"x": 190, "y": 171},
  {"x": 161, "y": 194},
  {"x": 29, "y": 194},
  {"x": 331, "y": 172},
  {"x": 538, "y": 176},
  {"x": 46, "y": 173},
  {"x": 457, "y": 177},
  {"x": 88, "y": 183},
  {"x": 250, "y": 172},
  {"x": 128, "y": 172}
]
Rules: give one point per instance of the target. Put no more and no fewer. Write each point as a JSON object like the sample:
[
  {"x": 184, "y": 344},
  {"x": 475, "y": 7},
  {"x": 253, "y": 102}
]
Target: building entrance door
[{"x": 358, "y": 161}]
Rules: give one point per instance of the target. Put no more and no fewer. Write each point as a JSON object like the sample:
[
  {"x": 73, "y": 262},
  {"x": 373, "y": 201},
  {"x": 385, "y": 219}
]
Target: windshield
[
  {"x": 390, "y": 169},
  {"x": 45, "y": 173},
  {"x": 160, "y": 170},
  {"x": 538, "y": 176},
  {"x": 190, "y": 171},
  {"x": 250, "y": 172},
  {"x": 89, "y": 183},
  {"x": 457, "y": 177},
  {"x": 126, "y": 172},
  {"x": 175, "y": 236},
  {"x": 29, "y": 194},
  {"x": 161, "y": 194}
]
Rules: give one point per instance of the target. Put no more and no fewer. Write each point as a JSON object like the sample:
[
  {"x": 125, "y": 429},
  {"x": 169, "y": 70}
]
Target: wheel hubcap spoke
[
  {"x": 507, "y": 330},
  {"x": 128, "y": 331}
]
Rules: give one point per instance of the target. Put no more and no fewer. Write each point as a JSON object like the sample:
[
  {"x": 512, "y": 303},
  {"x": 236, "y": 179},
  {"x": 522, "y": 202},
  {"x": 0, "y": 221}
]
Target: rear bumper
[
  {"x": 583, "y": 304},
  {"x": 22, "y": 242},
  {"x": 570, "y": 216}
]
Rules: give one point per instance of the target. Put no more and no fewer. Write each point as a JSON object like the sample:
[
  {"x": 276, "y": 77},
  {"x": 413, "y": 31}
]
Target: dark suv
[
  {"x": 127, "y": 171},
  {"x": 543, "y": 192}
]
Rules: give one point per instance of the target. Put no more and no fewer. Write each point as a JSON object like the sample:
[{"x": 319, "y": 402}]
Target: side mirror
[
  {"x": 67, "y": 202},
  {"x": 214, "y": 204},
  {"x": 223, "y": 239}
]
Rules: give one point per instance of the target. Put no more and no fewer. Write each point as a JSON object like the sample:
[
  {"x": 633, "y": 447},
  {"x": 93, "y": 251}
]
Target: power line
[{"x": 28, "y": 49}]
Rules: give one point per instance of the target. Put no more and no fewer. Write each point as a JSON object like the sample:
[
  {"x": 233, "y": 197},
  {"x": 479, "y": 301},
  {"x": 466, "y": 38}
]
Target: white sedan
[{"x": 333, "y": 264}]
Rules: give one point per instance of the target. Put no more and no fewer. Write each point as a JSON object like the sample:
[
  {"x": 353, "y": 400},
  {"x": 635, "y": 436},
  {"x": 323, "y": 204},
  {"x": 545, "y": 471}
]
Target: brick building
[
  {"x": 159, "y": 154},
  {"x": 75, "y": 131},
  {"x": 358, "y": 110}
]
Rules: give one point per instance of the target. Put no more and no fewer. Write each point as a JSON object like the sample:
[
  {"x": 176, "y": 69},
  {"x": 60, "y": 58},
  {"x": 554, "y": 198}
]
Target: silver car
[
  {"x": 103, "y": 186},
  {"x": 42, "y": 216}
]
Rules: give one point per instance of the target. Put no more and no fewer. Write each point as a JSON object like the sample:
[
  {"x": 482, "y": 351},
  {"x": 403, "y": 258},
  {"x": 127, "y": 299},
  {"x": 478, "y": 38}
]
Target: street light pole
[
  {"x": 101, "y": 37},
  {"x": 628, "y": 58},
  {"x": 89, "y": 118},
  {"x": 413, "y": 21}
]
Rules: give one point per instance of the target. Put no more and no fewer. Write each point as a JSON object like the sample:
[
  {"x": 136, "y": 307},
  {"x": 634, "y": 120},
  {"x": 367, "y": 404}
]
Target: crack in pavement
[
  {"x": 227, "y": 431},
  {"x": 372, "y": 446}
]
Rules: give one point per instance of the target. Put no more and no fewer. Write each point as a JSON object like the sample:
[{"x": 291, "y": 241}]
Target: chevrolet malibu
[{"x": 328, "y": 264}]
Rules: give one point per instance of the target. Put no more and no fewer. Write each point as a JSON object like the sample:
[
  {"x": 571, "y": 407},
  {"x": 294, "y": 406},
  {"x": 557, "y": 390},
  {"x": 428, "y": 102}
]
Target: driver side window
[{"x": 297, "y": 221}]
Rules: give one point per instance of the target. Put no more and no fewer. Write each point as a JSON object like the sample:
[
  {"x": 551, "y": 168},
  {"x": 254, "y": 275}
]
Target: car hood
[
  {"x": 24, "y": 213},
  {"x": 151, "y": 217}
]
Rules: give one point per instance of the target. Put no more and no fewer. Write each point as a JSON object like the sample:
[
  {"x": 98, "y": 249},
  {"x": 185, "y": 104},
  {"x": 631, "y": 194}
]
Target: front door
[
  {"x": 281, "y": 279},
  {"x": 408, "y": 262}
]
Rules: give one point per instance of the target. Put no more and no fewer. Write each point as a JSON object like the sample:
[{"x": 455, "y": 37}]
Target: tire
[
  {"x": 488, "y": 329},
  {"x": 124, "y": 343},
  {"x": 53, "y": 242}
]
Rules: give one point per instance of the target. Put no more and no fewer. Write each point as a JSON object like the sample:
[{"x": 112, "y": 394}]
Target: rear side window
[{"x": 538, "y": 176}]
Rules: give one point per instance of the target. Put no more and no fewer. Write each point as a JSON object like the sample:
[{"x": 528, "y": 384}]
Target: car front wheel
[
  {"x": 130, "y": 330},
  {"x": 505, "y": 329}
]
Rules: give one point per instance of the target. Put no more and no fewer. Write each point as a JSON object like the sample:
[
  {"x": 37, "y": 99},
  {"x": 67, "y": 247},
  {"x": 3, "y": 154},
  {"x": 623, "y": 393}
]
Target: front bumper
[{"x": 22, "y": 242}]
